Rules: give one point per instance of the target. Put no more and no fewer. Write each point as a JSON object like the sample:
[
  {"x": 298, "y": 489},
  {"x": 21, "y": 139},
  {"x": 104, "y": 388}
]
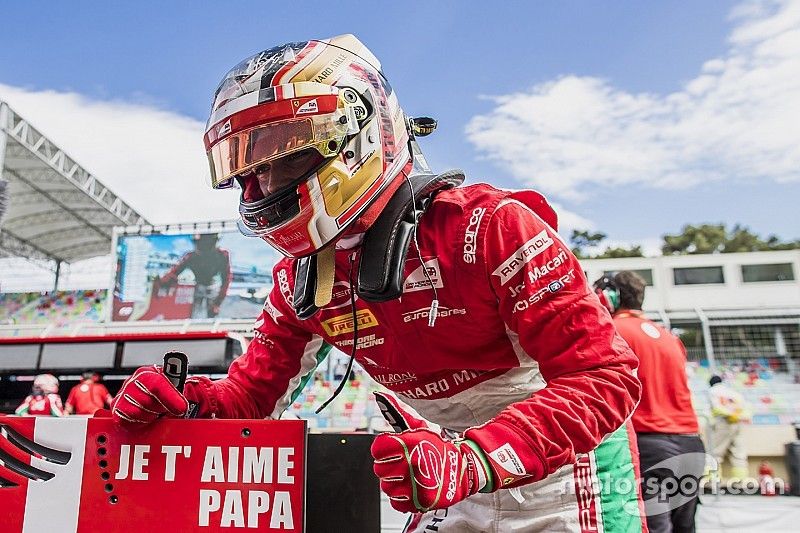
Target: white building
[
  {"x": 727, "y": 306},
  {"x": 719, "y": 282}
]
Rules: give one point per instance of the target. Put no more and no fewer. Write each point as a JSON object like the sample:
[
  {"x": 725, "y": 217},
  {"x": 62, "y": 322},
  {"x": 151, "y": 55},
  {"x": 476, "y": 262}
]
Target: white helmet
[
  {"x": 47, "y": 383},
  {"x": 327, "y": 98}
]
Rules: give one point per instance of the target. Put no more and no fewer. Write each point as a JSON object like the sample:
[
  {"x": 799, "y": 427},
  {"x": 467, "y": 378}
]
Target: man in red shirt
[
  {"x": 671, "y": 452},
  {"x": 88, "y": 396}
]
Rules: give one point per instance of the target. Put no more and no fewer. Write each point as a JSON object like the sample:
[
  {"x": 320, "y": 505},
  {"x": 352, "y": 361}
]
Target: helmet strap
[
  {"x": 386, "y": 243},
  {"x": 383, "y": 251},
  {"x": 326, "y": 259}
]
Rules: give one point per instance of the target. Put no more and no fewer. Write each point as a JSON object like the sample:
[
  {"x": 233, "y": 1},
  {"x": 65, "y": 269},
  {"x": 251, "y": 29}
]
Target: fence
[{"x": 756, "y": 352}]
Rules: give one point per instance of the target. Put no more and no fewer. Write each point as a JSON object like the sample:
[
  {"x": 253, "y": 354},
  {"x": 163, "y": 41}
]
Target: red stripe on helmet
[
  {"x": 276, "y": 79},
  {"x": 265, "y": 113},
  {"x": 345, "y": 217}
]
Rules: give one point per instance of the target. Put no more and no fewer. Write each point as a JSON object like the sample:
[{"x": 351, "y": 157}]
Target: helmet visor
[{"x": 241, "y": 151}]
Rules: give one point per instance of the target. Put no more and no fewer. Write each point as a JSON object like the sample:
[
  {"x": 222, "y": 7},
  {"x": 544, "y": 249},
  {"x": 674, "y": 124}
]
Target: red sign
[
  {"x": 163, "y": 303},
  {"x": 88, "y": 475}
]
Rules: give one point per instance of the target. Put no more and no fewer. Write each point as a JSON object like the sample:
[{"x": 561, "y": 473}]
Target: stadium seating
[{"x": 57, "y": 308}]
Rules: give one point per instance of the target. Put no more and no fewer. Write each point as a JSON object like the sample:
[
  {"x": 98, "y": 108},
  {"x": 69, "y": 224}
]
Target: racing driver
[{"x": 511, "y": 388}]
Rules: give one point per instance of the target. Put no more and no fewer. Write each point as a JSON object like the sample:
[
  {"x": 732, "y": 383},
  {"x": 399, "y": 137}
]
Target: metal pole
[
  {"x": 3, "y": 145},
  {"x": 712, "y": 363},
  {"x": 3, "y": 135},
  {"x": 780, "y": 349},
  {"x": 58, "y": 274},
  {"x": 664, "y": 319}
]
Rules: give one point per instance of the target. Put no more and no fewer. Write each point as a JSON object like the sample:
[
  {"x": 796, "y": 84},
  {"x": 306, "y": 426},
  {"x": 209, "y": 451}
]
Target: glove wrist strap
[
  {"x": 510, "y": 457},
  {"x": 484, "y": 470}
]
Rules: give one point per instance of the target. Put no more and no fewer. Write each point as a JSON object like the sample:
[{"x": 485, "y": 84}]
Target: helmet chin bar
[
  {"x": 271, "y": 211},
  {"x": 274, "y": 209}
]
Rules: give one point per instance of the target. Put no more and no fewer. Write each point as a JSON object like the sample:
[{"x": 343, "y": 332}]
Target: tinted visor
[{"x": 241, "y": 151}]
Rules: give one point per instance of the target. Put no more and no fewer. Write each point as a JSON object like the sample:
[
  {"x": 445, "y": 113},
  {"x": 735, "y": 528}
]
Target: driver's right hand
[{"x": 146, "y": 396}]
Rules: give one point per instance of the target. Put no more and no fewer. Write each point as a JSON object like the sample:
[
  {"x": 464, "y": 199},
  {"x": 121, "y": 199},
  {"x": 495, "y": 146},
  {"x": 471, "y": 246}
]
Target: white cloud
[
  {"x": 153, "y": 158},
  {"x": 737, "y": 119},
  {"x": 569, "y": 220}
]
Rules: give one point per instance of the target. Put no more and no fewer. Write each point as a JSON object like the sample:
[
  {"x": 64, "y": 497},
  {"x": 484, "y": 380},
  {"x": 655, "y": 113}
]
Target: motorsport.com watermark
[{"x": 674, "y": 482}]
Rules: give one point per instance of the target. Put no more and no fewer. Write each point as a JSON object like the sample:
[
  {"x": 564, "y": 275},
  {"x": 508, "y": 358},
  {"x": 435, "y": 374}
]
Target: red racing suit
[
  {"x": 41, "y": 405},
  {"x": 520, "y": 340}
]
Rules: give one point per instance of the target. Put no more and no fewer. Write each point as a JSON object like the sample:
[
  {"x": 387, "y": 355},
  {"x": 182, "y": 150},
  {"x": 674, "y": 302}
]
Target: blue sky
[{"x": 633, "y": 117}]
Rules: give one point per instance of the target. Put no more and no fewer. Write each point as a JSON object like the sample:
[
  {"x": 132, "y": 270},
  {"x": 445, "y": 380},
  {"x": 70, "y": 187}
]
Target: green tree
[
  {"x": 715, "y": 238},
  {"x": 703, "y": 239},
  {"x": 742, "y": 239},
  {"x": 584, "y": 240},
  {"x": 620, "y": 251},
  {"x": 581, "y": 240}
]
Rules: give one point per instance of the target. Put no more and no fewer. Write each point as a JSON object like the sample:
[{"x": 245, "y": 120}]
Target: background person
[
  {"x": 88, "y": 396},
  {"x": 728, "y": 411},
  {"x": 211, "y": 267},
  {"x": 43, "y": 399},
  {"x": 665, "y": 421}
]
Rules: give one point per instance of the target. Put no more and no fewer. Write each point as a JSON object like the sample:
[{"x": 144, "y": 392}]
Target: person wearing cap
[
  {"x": 88, "y": 396},
  {"x": 211, "y": 267}
]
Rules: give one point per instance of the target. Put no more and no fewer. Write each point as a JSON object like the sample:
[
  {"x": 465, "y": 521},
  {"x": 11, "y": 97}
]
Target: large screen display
[{"x": 195, "y": 275}]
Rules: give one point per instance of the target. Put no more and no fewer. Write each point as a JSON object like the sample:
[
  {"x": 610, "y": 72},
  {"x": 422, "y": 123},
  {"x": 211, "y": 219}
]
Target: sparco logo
[
  {"x": 471, "y": 234},
  {"x": 283, "y": 285},
  {"x": 451, "y": 483},
  {"x": 522, "y": 256},
  {"x": 428, "y": 462}
]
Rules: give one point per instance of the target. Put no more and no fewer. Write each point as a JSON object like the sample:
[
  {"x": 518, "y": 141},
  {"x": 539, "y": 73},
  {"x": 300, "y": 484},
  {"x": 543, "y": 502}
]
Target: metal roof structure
[{"x": 56, "y": 210}]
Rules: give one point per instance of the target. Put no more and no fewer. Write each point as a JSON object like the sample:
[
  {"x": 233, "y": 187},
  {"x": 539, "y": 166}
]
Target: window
[
  {"x": 646, "y": 273},
  {"x": 698, "y": 275},
  {"x": 774, "y": 272},
  {"x": 78, "y": 355}
]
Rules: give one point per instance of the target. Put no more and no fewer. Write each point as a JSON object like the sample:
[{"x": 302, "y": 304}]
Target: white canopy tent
[{"x": 56, "y": 210}]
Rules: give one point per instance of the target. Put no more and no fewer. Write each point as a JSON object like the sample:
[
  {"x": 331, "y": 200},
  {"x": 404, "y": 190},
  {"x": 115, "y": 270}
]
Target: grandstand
[
  {"x": 59, "y": 213},
  {"x": 57, "y": 210}
]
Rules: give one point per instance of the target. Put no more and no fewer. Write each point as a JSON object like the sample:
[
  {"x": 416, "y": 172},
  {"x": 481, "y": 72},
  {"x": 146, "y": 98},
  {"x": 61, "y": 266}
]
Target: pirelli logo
[{"x": 342, "y": 324}]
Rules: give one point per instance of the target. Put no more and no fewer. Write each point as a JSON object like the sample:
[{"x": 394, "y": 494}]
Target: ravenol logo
[
  {"x": 522, "y": 256},
  {"x": 342, "y": 324}
]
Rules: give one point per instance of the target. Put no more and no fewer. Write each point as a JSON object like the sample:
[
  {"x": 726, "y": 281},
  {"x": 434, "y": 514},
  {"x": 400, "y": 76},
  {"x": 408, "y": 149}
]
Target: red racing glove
[
  {"x": 146, "y": 396},
  {"x": 420, "y": 471},
  {"x": 415, "y": 465}
]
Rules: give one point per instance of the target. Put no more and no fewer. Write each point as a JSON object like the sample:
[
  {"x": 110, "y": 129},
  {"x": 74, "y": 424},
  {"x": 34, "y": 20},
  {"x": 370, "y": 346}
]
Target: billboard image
[{"x": 193, "y": 275}]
